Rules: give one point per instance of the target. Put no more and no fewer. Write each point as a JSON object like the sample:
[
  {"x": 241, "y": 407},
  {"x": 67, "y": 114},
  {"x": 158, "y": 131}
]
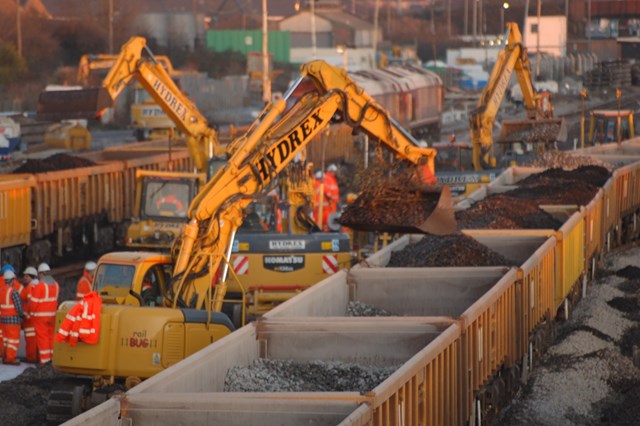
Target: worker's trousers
[
  {"x": 31, "y": 348},
  {"x": 10, "y": 341},
  {"x": 45, "y": 329}
]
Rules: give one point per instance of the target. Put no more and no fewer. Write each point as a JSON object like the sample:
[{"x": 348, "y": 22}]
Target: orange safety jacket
[
  {"x": 7, "y": 307},
  {"x": 84, "y": 285},
  {"x": 82, "y": 322},
  {"x": 43, "y": 299},
  {"x": 22, "y": 291}
]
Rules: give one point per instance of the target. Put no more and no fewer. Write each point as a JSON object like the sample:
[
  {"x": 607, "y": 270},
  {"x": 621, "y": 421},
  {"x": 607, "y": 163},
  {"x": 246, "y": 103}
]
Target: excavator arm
[
  {"x": 538, "y": 107},
  {"x": 154, "y": 75},
  {"x": 253, "y": 161}
]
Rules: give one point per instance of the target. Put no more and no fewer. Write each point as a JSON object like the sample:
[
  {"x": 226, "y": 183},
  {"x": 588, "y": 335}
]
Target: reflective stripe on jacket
[
  {"x": 44, "y": 299},
  {"x": 8, "y": 306}
]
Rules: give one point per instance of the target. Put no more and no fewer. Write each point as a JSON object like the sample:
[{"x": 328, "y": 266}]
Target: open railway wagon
[
  {"x": 445, "y": 321},
  {"x": 50, "y": 214},
  {"x": 458, "y": 341}
]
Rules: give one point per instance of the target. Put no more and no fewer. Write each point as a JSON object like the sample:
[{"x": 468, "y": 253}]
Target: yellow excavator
[
  {"x": 539, "y": 128},
  {"x": 192, "y": 285},
  {"x": 136, "y": 61},
  {"x": 147, "y": 117}
]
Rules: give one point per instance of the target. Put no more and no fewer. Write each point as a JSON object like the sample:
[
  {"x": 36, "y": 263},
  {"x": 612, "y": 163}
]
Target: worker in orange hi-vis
[
  {"x": 11, "y": 315},
  {"x": 30, "y": 279},
  {"x": 85, "y": 283},
  {"x": 320, "y": 208},
  {"x": 43, "y": 303},
  {"x": 4, "y": 269},
  {"x": 331, "y": 193}
]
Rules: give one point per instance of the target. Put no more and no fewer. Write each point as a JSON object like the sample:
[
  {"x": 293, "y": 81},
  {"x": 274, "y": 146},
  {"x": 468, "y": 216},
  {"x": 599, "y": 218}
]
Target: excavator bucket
[
  {"x": 538, "y": 131},
  {"x": 70, "y": 104},
  {"x": 401, "y": 208}
]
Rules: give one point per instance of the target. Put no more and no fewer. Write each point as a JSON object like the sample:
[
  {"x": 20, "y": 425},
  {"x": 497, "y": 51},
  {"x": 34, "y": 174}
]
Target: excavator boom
[
  {"x": 254, "y": 160},
  {"x": 538, "y": 128},
  {"x": 153, "y": 75}
]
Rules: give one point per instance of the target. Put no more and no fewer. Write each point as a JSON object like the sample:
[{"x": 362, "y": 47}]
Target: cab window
[{"x": 113, "y": 275}]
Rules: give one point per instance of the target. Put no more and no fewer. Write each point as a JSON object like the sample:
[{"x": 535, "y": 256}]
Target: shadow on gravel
[
  {"x": 629, "y": 272},
  {"x": 624, "y": 304}
]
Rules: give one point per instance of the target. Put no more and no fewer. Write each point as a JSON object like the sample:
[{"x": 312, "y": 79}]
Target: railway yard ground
[
  {"x": 587, "y": 377},
  {"x": 25, "y": 388}
]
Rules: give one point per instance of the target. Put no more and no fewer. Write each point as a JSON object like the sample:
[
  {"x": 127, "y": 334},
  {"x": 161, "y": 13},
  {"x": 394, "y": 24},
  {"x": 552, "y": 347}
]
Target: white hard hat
[
  {"x": 30, "y": 271},
  {"x": 318, "y": 175},
  {"x": 8, "y": 275},
  {"x": 332, "y": 168},
  {"x": 43, "y": 267},
  {"x": 90, "y": 266}
]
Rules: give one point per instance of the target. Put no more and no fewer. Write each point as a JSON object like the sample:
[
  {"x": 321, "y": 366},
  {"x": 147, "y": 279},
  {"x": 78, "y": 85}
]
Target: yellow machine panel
[
  {"x": 139, "y": 342},
  {"x": 67, "y": 136},
  {"x": 274, "y": 267}
]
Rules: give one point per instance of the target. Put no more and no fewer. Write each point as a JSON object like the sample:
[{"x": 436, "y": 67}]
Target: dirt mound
[
  {"x": 24, "y": 399},
  {"x": 566, "y": 161},
  {"x": 502, "y": 211},
  {"x": 591, "y": 174},
  {"x": 448, "y": 250},
  {"x": 54, "y": 163},
  {"x": 519, "y": 208}
]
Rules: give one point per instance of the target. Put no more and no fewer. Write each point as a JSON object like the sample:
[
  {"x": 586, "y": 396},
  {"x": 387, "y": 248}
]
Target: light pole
[{"x": 505, "y": 6}]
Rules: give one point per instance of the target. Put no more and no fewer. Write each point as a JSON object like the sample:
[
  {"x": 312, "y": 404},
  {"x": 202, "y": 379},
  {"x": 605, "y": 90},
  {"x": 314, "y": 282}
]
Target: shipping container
[{"x": 245, "y": 41}]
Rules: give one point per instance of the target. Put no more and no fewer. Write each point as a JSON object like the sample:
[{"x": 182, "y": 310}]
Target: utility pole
[
  {"x": 376, "y": 15},
  {"x": 466, "y": 17},
  {"x": 313, "y": 28},
  {"x": 266, "y": 78},
  {"x": 449, "y": 18},
  {"x": 18, "y": 28},
  {"x": 589, "y": 24},
  {"x": 110, "y": 17},
  {"x": 474, "y": 25},
  {"x": 538, "y": 39}
]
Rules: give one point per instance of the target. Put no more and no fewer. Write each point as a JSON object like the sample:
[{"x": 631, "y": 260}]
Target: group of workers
[{"x": 29, "y": 305}]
